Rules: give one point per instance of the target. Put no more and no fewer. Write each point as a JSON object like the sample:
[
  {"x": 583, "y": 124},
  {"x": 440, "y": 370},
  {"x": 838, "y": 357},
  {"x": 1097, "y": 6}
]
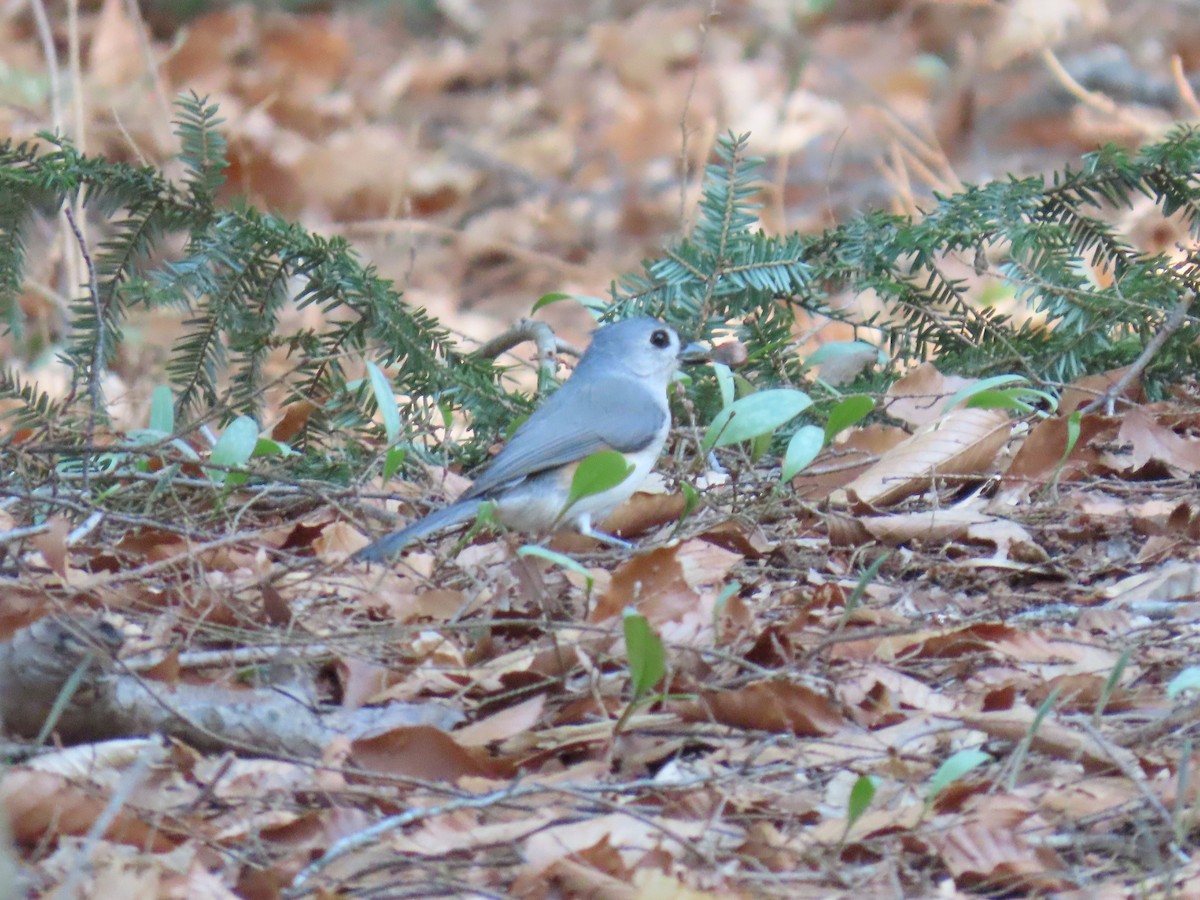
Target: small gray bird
[{"x": 616, "y": 399}]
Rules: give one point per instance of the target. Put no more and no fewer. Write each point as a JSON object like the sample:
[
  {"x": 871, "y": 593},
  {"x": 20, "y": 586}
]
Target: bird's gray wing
[{"x": 577, "y": 420}]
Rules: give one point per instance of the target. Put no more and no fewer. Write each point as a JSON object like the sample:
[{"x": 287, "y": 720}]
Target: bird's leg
[{"x": 583, "y": 525}]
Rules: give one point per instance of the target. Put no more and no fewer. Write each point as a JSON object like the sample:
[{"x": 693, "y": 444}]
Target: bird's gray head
[{"x": 644, "y": 347}]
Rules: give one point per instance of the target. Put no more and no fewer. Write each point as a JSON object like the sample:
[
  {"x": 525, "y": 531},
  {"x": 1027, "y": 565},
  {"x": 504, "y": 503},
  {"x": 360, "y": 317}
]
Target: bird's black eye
[{"x": 660, "y": 339}]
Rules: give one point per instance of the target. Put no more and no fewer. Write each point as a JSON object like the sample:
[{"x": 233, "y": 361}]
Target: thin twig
[
  {"x": 542, "y": 335},
  {"x": 370, "y": 835},
  {"x": 1101, "y": 103},
  {"x": 1186, "y": 94},
  {"x": 1174, "y": 321},
  {"x": 94, "y": 399},
  {"x": 46, "y": 36}
]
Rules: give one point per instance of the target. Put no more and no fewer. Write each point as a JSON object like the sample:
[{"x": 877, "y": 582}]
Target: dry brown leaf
[
  {"x": 52, "y": 544},
  {"x": 502, "y": 725},
  {"x": 642, "y": 512},
  {"x": 295, "y": 418},
  {"x": 338, "y": 540},
  {"x": 863, "y": 689},
  {"x": 919, "y": 398},
  {"x": 935, "y": 525},
  {"x": 870, "y": 824},
  {"x": 464, "y": 831},
  {"x": 962, "y": 444},
  {"x": 944, "y": 643},
  {"x": 361, "y": 680},
  {"x": 666, "y": 583},
  {"x": 1084, "y": 390},
  {"x": 43, "y": 805},
  {"x": 632, "y": 836},
  {"x": 115, "y": 58},
  {"x": 421, "y": 751},
  {"x": 1052, "y": 738},
  {"x": 999, "y": 856},
  {"x": 1154, "y": 442},
  {"x": 841, "y": 463},
  {"x": 1170, "y": 582},
  {"x": 766, "y": 706},
  {"x": 1042, "y": 453}
]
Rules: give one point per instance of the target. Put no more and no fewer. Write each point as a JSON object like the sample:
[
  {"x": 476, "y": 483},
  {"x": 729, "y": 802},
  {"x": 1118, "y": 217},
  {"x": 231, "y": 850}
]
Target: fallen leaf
[
  {"x": 779, "y": 706},
  {"x": 962, "y": 444}
]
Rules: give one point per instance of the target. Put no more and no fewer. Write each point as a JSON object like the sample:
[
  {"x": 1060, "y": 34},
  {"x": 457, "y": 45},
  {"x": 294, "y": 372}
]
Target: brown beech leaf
[
  {"x": 1084, "y": 390},
  {"x": 421, "y": 751},
  {"x": 1154, "y": 442},
  {"x": 767, "y": 706},
  {"x": 502, "y": 725},
  {"x": 1041, "y": 453},
  {"x": 997, "y": 855},
  {"x": 53, "y": 544},
  {"x": 643, "y": 511},
  {"x": 919, "y": 397},
  {"x": 665, "y": 583},
  {"x": 295, "y": 418},
  {"x": 46, "y": 804},
  {"x": 1053, "y": 739},
  {"x": 842, "y": 462},
  {"x": 962, "y": 443}
]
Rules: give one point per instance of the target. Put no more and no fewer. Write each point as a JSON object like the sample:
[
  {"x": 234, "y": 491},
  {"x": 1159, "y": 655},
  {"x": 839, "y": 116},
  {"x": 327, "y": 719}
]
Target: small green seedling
[
  {"x": 991, "y": 393},
  {"x": 1022, "y": 750},
  {"x": 233, "y": 450},
  {"x": 1187, "y": 680},
  {"x": 861, "y": 796},
  {"x": 1111, "y": 684},
  {"x": 647, "y": 661},
  {"x": 754, "y": 415},
  {"x": 956, "y": 767}
]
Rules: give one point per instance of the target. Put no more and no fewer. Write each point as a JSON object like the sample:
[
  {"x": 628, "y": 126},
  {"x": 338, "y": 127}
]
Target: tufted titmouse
[{"x": 616, "y": 399}]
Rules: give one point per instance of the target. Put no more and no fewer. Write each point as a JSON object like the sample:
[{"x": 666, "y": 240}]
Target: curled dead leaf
[{"x": 961, "y": 444}]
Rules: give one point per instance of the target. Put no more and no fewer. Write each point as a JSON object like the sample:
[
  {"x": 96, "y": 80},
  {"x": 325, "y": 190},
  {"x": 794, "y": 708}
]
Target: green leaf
[
  {"x": 594, "y": 305},
  {"x": 597, "y": 474},
  {"x": 1187, "y": 680},
  {"x": 234, "y": 447},
  {"x": 1112, "y": 683},
  {"x": 270, "y": 447},
  {"x": 162, "y": 410},
  {"x": 1017, "y": 398},
  {"x": 861, "y": 796},
  {"x": 724, "y": 382},
  {"x": 849, "y": 411},
  {"x": 977, "y": 387},
  {"x": 559, "y": 559},
  {"x": 759, "y": 413},
  {"x": 691, "y": 499},
  {"x": 760, "y": 445},
  {"x": 386, "y": 401},
  {"x": 835, "y": 349},
  {"x": 802, "y": 449},
  {"x": 955, "y": 767},
  {"x": 647, "y": 657},
  {"x": 1074, "y": 426},
  {"x": 393, "y": 461}
]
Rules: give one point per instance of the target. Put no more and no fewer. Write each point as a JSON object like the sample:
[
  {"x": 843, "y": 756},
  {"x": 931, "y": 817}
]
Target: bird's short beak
[{"x": 694, "y": 353}]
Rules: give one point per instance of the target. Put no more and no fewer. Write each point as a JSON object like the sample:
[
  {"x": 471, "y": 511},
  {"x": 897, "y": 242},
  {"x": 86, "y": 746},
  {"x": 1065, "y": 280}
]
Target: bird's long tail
[{"x": 452, "y": 515}]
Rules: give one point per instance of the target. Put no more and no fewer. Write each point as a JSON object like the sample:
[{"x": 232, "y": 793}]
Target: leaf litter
[{"x": 451, "y": 721}]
